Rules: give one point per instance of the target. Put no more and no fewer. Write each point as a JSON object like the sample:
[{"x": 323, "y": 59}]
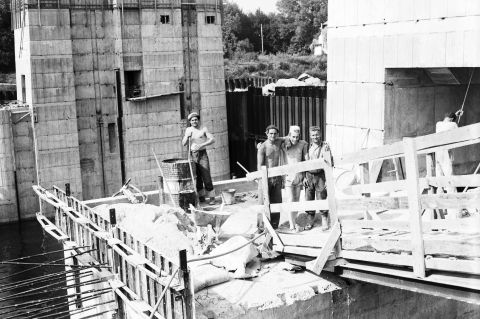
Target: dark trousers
[
  {"x": 202, "y": 166},
  {"x": 275, "y": 197},
  {"x": 316, "y": 189}
]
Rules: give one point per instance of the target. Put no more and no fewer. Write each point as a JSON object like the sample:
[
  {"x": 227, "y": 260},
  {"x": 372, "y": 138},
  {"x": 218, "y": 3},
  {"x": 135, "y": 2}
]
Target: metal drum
[{"x": 177, "y": 181}]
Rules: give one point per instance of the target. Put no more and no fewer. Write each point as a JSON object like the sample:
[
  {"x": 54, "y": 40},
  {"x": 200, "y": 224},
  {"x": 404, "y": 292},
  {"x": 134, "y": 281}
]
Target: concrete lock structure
[
  {"x": 108, "y": 81},
  {"x": 396, "y": 67}
]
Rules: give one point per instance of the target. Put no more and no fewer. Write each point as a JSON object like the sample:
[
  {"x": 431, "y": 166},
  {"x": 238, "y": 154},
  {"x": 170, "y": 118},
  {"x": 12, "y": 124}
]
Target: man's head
[
  {"x": 194, "y": 119},
  {"x": 272, "y": 132},
  {"x": 315, "y": 134},
  {"x": 294, "y": 134},
  {"x": 450, "y": 117}
]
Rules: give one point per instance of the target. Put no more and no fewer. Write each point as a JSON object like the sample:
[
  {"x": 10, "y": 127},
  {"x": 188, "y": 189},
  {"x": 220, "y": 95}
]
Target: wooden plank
[
  {"x": 266, "y": 197},
  {"x": 303, "y": 251},
  {"x": 463, "y": 225},
  {"x": 317, "y": 265},
  {"x": 455, "y": 265},
  {"x": 453, "y": 181},
  {"x": 348, "y": 225},
  {"x": 451, "y": 200},
  {"x": 241, "y": 185},
  {"x": 449, "y": 146},
  {"x": 373, "y": 203},
  {"x": 382, "y": 187},
  {"x": 382, "y": 258},
  {"x": 465, "y": 133},
  {"x": 291, "y": 168},
  {"x": 300, "y": 206},
  {"x": 413, "y": 189}
]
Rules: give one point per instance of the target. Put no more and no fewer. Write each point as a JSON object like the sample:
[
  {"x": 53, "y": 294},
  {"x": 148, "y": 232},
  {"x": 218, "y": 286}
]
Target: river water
[{"x": 22, "y": 240}]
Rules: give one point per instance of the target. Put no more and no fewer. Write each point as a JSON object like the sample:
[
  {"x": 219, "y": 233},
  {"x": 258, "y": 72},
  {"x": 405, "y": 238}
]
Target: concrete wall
[
  {"x": 8, "y": 202},
  {"x": 22, "y": 130},
  {"x": 70, "y": 57},
  {"x": 367, "y": 36}
]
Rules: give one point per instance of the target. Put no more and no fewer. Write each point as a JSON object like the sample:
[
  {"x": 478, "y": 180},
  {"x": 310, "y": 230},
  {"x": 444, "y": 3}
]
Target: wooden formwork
[
  {"x": 141, "y": 273},
  {"x": 419, "y": 245}
]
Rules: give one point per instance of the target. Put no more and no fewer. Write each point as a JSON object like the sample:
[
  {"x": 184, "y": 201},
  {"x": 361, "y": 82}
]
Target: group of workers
[
  {"x": 273, "y": 152},
  {"x": 276, "y": 151}
]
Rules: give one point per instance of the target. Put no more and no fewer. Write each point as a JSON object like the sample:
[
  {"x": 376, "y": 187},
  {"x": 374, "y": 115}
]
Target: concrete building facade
[
  {"x": 395, "y": 67},
  {"x": 109, "y": 81}
]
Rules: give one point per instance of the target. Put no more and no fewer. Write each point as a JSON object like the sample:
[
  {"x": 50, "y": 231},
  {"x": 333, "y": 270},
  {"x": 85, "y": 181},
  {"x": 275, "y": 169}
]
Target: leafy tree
[
  {"x": 304, "y": 19},
  {"x": 7, "y": 55}
]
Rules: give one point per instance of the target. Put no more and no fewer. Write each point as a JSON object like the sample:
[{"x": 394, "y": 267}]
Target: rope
[
  {"x": 227, "y": 252},
  {"x": 465, "y": 97},
  {"x": 43, "y": 254}
]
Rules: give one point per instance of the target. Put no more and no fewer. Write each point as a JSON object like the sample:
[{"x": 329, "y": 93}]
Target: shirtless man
[
  {"x": 296, "y": 150},
  {"x": 200, "y": 138},
  {"x": 269, "y": 154}
]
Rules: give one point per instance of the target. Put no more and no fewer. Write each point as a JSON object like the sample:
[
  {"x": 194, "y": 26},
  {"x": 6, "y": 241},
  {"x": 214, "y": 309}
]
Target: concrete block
[
  {"x": 405, "y": 50},
  {"x": 350, "y": 100},
  {"x": 376, "y": 103},
  {"x": 438, "y": 9},
  {"x": 390, "y": 51},
  {"x": 471, "y": 53},
  {"x": 455, "y": 49}
]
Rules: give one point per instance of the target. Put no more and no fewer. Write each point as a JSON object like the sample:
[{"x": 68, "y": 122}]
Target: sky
[{"x": 266, "y": 6}]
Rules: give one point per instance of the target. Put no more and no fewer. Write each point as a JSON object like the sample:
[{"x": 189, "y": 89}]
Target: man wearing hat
[{"x": 199, "y": 139}]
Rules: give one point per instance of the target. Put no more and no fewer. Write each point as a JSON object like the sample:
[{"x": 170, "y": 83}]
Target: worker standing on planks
[
  {"x": 198, "y": 139},
  {"x": 296, "y": 150},
  {"x": 444, "y": 158},
  {"x": 314, "y": 181},
  {"x": 270, "y": 154}
]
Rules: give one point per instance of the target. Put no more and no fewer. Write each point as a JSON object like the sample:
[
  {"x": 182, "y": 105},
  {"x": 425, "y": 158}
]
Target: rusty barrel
[{"x": 177, "y": 181}]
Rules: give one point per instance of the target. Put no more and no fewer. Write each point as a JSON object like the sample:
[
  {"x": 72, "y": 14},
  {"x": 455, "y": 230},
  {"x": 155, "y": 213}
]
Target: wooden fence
[
  {"x": 439, "y": 256},
  {"x": 143, "y": 272}
]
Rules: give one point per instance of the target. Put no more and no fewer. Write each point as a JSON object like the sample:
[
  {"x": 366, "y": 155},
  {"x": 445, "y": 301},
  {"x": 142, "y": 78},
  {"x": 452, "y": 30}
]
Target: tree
[
  {"x": 7, "y": 55},
  {"x": 304, "y": 18}
]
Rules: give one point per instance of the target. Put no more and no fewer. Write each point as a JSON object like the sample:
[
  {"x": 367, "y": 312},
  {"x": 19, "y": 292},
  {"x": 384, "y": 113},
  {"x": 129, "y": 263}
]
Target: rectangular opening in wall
[
  {"x": 133, "y": 84},
  {"x": 112, "y": 137},
  {"x": 165, "y": 19},
  {"x": 416, "y": 99},
  {"x": 24, "y": 89},
  {"x": 210, "y": 19}
]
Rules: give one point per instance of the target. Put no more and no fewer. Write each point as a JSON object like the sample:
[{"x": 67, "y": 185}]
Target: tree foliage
[
  {"x": 291, "y": 30},
  {"x": 7, "y": 55}
]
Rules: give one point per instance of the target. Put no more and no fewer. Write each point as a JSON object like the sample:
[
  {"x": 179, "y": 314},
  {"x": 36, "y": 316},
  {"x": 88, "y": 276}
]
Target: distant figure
[
  {"x": 314, "y": 181},
  {"x": 269, "y": 154},
  {"x": 444, "y": 158},
  {"x": 296, "y": 150},
  {"x": 199, "y": 139}
]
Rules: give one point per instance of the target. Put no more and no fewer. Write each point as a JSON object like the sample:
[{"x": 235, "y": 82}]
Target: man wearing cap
[
  {"x": 314, "y": 181},
  {"x": 296, "y": 150},
  {"x": 199, "y": 139}
]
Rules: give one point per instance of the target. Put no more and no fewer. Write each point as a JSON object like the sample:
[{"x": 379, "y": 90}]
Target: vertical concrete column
[{"x": 8, "y": 202}]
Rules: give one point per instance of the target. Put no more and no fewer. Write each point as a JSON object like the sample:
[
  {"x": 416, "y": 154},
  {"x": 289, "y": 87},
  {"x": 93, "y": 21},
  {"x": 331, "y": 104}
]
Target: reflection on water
[{"x": 21, "y": 240}]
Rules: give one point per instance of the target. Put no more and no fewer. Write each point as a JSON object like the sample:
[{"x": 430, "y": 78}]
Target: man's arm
[
  {"x": 188, "y": 133},
  {"x": 261, "y": 156}
]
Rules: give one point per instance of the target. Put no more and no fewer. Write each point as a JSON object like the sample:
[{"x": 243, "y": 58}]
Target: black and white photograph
[{"x": 239, "y": 159}]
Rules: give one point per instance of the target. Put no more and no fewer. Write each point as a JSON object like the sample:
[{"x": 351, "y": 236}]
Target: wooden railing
[
  {"x": 143, "y": 271},
  {"x": 412, "y": 199}
]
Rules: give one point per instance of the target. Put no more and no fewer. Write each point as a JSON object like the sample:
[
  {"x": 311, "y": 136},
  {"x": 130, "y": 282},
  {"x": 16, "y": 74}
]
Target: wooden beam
[
  {"x": 413, "y": 189},
  {"x": 451, "y": 200},
  {"x": 383, "y": 187},
  {"x": 348, "y": 225},
  {"x": 382, "y": 258},
  {"x": 316, "y": 266},
  {"x": 455, "y": 265},
  {"x": 453, "y": 181},
  {"x": 291, "y": 168},
  {"x": 320, "y": 204},
  {"x": 375, "y": 153},
  {"x": 373, "y": 203},
  {"x": 462, "y": 134}
]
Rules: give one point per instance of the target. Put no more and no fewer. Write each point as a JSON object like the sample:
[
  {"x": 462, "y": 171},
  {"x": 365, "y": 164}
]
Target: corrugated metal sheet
[{"x": 249, "y": 113}]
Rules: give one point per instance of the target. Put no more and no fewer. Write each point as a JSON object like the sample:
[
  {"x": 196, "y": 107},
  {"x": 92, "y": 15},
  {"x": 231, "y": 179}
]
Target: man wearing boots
[
  {"x": 199, "y": 138},
  {"x": 314, "y": 181}
]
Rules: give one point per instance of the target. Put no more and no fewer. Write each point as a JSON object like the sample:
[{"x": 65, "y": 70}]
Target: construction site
[{"x": 94, "y": 152}]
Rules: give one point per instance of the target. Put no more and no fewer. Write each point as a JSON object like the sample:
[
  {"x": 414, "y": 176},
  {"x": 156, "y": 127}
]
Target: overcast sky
[{"x": 266, "y": 6}]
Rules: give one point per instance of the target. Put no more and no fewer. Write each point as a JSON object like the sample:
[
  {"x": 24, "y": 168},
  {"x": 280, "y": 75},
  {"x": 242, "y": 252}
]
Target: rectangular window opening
[
  {"x": 24, "y": 89},
  {"x": 210, "y": 19},
  {"x": 133, "y": 84},
  {"x": 165, "y": 19},
  {"x": 112, "y": 137}
]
